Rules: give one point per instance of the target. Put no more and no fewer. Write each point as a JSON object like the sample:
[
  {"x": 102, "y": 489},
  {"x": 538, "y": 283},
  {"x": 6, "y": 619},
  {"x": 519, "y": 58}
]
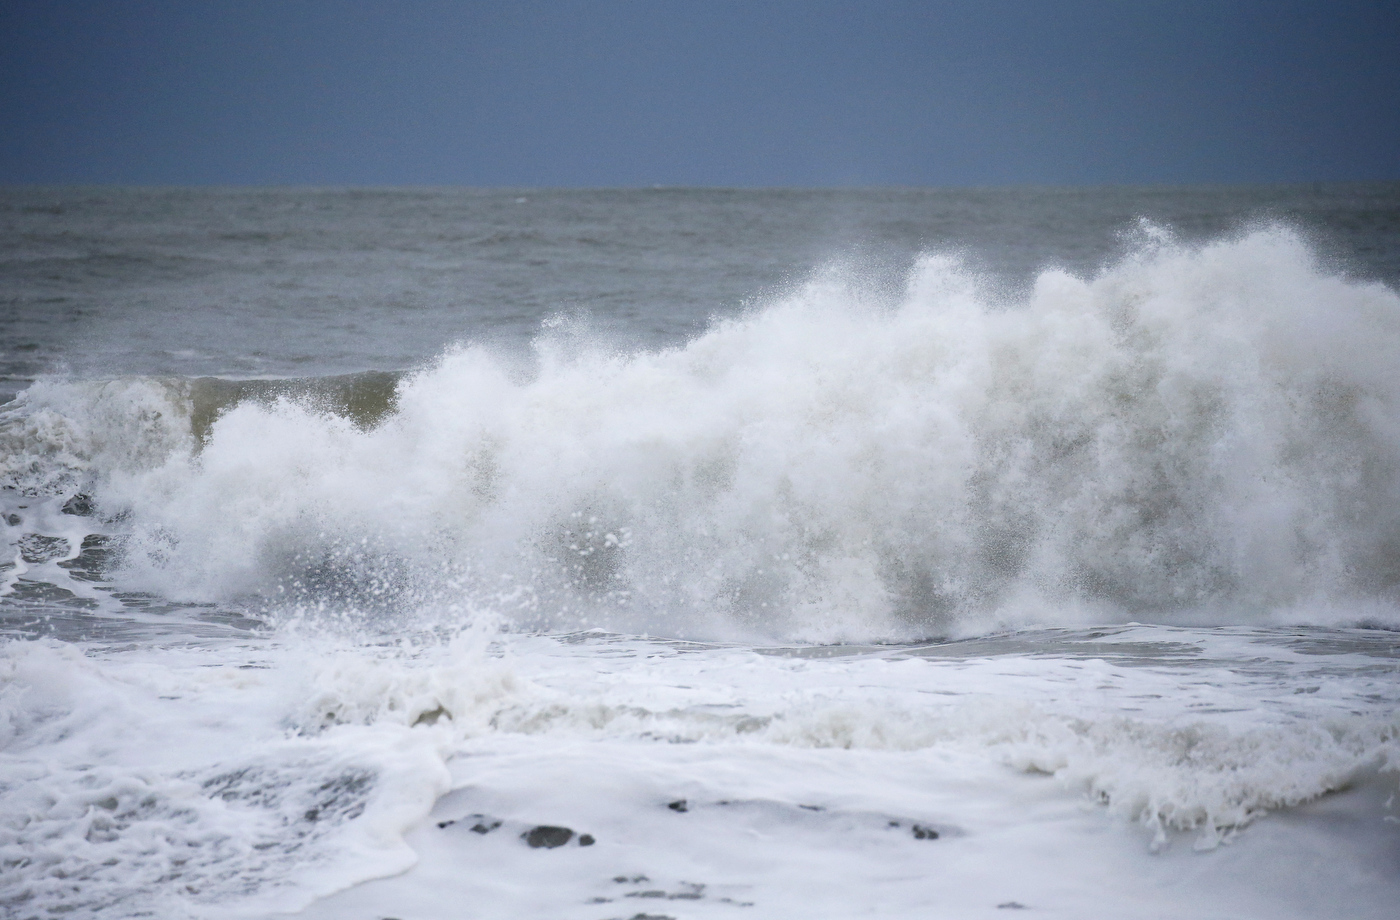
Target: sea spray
[{"x": 1206, "y": 433}]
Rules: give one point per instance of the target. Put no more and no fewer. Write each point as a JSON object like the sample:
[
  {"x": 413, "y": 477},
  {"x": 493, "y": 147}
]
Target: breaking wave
[{"x": 1203, "y": 434}]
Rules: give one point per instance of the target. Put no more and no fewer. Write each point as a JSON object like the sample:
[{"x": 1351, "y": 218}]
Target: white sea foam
[
  {"x": 1194, "y": 435},
  {"x": 171, "y": 784},
  {"x": 1197, "y": 434},
  {"x": 246, "y": 779}
]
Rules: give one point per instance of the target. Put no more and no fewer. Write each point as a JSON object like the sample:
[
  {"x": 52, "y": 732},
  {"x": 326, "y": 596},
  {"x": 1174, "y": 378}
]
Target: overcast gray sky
[{"x": 618, "y": 93}]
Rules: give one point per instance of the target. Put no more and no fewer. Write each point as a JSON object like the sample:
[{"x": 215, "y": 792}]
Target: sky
[{"x": 713, "y": 93}]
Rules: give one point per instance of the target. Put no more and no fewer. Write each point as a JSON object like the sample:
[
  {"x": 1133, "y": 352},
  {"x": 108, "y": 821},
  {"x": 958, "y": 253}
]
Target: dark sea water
[
  {"x": 294, "y": 282},
  {"x": 814, "y": 552}
]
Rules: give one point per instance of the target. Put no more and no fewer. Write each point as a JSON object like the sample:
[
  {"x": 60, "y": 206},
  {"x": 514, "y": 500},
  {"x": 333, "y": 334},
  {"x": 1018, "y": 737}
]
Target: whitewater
[{"x": 686, "y": 554}]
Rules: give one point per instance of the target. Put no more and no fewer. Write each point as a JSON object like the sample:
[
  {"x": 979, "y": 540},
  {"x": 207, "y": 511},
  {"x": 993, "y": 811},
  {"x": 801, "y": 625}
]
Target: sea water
[{"x": 700, "y": 553}]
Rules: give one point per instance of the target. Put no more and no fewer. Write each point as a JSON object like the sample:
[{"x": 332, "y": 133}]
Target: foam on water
[
  {"x": 1197, "y": 434},
  {"x": 244, "y": 780},
  {"x": 302, "y": 617},
  {"x": 172, "y": 785}
]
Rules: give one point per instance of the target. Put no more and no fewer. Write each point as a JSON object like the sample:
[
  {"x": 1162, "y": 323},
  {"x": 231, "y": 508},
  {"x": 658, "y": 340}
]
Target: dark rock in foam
[{"x": 547, "y": 836}]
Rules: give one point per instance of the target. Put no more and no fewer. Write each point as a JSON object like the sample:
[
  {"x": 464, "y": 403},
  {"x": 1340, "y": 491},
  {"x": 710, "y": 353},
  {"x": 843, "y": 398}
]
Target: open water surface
[{"x": 809, "y": 553}]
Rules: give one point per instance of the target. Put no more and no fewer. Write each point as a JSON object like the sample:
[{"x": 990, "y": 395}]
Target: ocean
[{"x": 700, "y": 553}]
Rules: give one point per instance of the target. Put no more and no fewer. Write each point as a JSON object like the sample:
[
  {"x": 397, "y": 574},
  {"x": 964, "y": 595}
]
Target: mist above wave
[{"x": 1204, "y": 434}]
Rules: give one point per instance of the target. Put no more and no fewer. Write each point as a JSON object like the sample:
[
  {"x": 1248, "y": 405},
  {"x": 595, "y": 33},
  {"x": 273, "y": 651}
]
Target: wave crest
[{"x": 1196, "y": 434}]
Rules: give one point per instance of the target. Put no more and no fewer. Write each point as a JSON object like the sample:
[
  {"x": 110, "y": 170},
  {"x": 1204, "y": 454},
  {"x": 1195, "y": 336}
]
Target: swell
[
  {"x": 365, "y": 398},
  {"x": 1195, "y": 434},
  {"x": 59, "y": 434}
]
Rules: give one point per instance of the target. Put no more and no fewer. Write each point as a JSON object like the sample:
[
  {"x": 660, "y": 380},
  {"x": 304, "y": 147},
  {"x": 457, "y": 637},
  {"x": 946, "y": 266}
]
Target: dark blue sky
[{"x": 698, "y": 93}]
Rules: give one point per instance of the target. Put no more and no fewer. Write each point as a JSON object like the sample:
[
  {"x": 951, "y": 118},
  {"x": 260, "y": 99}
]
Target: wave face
[{"x": 1204, "y": 434}]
